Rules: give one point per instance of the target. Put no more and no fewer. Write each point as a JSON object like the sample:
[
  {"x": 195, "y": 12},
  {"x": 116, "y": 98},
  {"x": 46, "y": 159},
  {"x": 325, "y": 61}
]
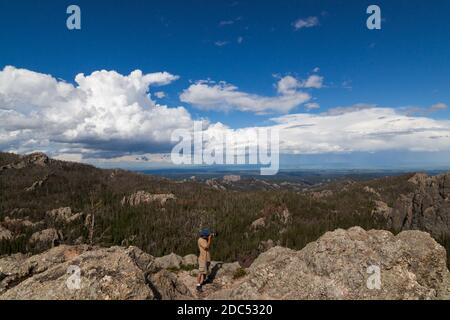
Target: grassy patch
[
  {"x": 173, "y": 269},
  {"x": 188, "y": 267},
  {"x": 239, "y": 273}
]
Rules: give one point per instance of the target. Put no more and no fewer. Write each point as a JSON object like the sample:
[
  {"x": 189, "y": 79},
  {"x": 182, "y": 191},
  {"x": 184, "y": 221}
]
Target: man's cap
[{"x": 205, "y": 232}]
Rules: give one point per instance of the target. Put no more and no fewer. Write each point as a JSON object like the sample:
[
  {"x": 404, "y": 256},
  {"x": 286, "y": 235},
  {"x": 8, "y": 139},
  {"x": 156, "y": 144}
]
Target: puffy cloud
[
  {"x": 222, "y": 96},
  {"x": 289, "y": 84},
  {"x": 104, "y": 112},
  {"x": 160, "y": 94},
  {"x": 360, "y": 128},
  {"x": 314, "y": 81},
  {"x": 306, "y": 23}
]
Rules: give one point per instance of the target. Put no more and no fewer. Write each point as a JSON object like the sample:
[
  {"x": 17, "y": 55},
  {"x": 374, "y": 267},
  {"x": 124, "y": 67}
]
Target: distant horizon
[
  {"x": 312, "y": 164},
  {"x": 410, "y": 161}
]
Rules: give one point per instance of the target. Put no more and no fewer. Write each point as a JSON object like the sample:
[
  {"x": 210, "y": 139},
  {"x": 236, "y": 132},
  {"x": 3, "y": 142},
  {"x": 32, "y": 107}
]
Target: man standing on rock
[{"x": 204, "y": 258}]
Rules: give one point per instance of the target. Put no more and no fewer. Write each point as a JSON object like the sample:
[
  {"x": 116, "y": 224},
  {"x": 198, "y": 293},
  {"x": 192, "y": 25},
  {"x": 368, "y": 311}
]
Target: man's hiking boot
[{"x": 199, "y": 288}]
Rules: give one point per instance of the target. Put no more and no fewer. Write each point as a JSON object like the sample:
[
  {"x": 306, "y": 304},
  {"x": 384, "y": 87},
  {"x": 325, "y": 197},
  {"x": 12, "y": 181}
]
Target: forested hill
[{"x": 45, "y": 202}]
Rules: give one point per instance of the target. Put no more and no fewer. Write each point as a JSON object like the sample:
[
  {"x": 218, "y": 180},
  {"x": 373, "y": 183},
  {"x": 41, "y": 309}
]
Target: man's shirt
[{"x": 204, "y": 250}]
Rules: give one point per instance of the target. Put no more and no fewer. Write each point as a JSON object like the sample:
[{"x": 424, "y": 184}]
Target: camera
[{"x": 205, "y": 233}]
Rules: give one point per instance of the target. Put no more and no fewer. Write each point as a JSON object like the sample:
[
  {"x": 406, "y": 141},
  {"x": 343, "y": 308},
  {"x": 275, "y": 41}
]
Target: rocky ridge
[
  {"x": 427, "y": 208},
  {"x": 412, "y": 266}
]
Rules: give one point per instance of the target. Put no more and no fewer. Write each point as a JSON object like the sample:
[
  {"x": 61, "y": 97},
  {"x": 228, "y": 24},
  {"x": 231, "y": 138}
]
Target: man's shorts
[{"x": 203, "y": 267}]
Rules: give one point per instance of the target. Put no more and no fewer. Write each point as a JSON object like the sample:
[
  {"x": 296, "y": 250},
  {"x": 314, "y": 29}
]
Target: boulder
[
  {"x": 266, "y": 245},
  {"x": 190, "y": 260},
  {"x": 64, "y": 215},
  {"x": 279, "y": 214},
  {"x": 167, "y": 286},
  {"x": 5, "y": 234},
  {"x": 318, "y": 195},
  {"x": 231, "y": 178},
  {"x": 228, "y": 270},
  {"x": 19, "y": 267},
  {"x": 270, "y": 256},
  {"x": 258, "y": 224},
  {"x": 45, "y": 239},
  {"x": 105, "y": 274},
  {"x": 381, "y": 209},
  {"x": 19, "y": 224},
  {"x": 35, "y": 185},
  {"x": 343, "y": 265},
  {"x": 213, "y": 183},
  {"x": 284, "y": 216},
  {"x": 170, "y": 261},
  {"x": 142, "y": 259},
  {"x": 142, "y": 197}
]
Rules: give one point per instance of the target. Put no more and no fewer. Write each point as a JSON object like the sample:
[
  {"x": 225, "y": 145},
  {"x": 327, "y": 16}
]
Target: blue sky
[{"x": 251, "y": 45}]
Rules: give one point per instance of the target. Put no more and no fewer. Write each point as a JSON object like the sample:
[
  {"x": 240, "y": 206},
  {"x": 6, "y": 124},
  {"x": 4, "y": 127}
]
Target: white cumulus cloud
[
  {"x": 289, "y": 84},
  {"x": 221, "y": 96},
  {"x": 103, "y": 112},
  {"x": 314, "y": 81},
  {"x": 368, "y": 129},
  {"x": 160, "y": 94}
]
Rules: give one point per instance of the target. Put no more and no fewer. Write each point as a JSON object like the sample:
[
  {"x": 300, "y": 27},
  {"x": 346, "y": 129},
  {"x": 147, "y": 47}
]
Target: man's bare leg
[
  {"x": 200, "y": 281},
  {"x": 200, "y": 278}
]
